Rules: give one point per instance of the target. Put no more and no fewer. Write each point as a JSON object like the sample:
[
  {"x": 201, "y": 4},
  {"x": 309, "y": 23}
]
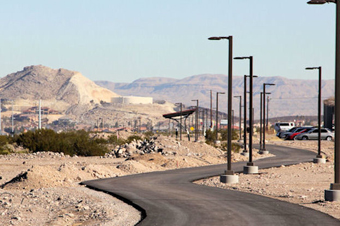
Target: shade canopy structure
[{"x": 177, "y": 115}]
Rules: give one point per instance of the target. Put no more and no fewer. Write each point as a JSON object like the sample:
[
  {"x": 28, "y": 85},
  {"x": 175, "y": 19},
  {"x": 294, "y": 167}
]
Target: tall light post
[
  {"x": 261, "y": 94},
  {"x": 250, "y": 168},
  {"x": 217, "y": 114},
  {"x": 211, "y": 123},
  {"x": 13, "y": 118},
  {"x": 267, "y": 111},
  {"x": 240, "y": 117},
  {"x": 264, "y": 151},
  {"x": 319, "y": 158},
  {"x": 196, "y": 121},
  {"x": 245, "y": 151},
  {"x": 261, "y": 121},
  {"x": 229, "y": 176},
  {"x": 180, "y": 121},
  {"x": 334, "y": 193}
]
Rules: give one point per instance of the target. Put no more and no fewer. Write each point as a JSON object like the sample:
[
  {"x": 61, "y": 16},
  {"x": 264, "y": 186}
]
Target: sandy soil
[
  {"x": 303, "y": 184},
  {"x": 43, "y": 188}
]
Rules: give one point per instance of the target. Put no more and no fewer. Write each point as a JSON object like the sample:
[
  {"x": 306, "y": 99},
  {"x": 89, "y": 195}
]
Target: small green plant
[
  {"x": 148, "y": 135},
  {"x": 235, "y": 147},
  {"x": 210, "y": 137},
  {"x": 133, "y": 137},
  {"x": 116, "y": 141},
  {"x": 224, "y": 134}
]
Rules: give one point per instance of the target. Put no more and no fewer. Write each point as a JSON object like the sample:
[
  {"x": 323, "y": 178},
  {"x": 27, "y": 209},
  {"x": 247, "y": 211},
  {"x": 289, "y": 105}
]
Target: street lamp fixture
[
  {"x": 264, "y": 151},
  {"x": 220, "y": 38},
  {"x": 250, "y": 168},
  {"x": 318, "y": 158},
  {"x": 333, "y": 194},
  {"x": 320, "y": 2},
  {"x": 229, "y": 176}
]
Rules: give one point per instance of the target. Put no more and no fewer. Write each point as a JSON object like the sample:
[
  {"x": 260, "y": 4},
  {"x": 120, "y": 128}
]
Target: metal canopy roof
[{"x": 185, "y": 113}]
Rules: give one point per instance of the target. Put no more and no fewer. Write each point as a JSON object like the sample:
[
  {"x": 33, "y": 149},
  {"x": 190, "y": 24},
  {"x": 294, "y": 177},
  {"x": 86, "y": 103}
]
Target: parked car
[
  {"x": 283, "y": 126},
  {"x": 312, "y": 134},
  {"x": 292, "y": 136},
  {"x": 283, "y": 134}
]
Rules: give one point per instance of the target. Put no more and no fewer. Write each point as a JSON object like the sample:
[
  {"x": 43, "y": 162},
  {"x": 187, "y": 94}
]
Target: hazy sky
[{"x": 123, "y": 40}]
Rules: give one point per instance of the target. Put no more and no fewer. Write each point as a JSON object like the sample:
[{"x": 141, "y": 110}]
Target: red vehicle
[{"x": 293, "y": 135}]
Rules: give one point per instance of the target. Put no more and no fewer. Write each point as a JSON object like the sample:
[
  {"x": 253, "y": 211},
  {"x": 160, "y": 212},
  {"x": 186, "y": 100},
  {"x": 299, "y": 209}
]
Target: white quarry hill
[
  {"x": 75, "y": 96},
  {"x": 60, "y": 89}
]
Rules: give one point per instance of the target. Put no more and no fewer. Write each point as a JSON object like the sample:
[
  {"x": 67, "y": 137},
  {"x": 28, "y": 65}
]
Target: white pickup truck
[{"x": 283, "y": 126}]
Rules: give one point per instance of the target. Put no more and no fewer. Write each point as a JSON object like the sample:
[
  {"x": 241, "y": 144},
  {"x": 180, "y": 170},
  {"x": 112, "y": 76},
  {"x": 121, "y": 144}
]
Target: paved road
[{"x": 169, "y": 197}]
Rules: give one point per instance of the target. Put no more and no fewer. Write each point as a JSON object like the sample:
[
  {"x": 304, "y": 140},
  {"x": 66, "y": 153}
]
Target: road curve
[{"x": 169, "y": 197}]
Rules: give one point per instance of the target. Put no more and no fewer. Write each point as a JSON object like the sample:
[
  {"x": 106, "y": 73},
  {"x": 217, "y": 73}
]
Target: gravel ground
[
  {"x": 43, "y": 188},
  {"x": 303, "y": 184}
]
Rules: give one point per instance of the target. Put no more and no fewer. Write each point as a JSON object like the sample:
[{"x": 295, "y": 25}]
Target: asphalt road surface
[{"x": 169, "y": 197}]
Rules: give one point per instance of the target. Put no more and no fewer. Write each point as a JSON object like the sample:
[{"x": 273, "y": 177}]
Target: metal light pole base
[
  {"x": 319, "y": 160},
  {"x": 250, "y": 169},
  {"x": 264, "y": 152},
  {"x": 245, "y": 153},
  {"x": 332, "y": 195},
  {"x": 229, "y": 179}
]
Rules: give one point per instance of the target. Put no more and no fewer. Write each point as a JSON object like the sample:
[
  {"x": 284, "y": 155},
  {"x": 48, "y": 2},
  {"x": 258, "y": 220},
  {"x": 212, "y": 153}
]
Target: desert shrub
[
  {"x": 133, "y": 137},
  {"x": 224, "y": 134},
  {"x": 71, "y": 143},
  {"x": 234, "y": 147},
  {"x": 4, "y": 140},
  {"x": 210, "y": 137},
  {"x": 116, "y": 141},
  {"x": 148, "y": 135}
]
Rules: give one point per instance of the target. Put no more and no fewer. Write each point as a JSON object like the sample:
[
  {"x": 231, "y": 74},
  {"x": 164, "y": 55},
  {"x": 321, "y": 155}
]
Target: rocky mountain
[
  {"x": 60, "y": 89},
  {"x": 288, "y": 96}
]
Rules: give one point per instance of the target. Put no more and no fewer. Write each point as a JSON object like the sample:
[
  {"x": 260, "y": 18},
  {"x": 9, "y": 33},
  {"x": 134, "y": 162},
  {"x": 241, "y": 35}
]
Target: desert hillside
[
  {"x": 60, "y": 89},
  {"x": 69, "y": 95},
  {"x": 288, "y": 96}
]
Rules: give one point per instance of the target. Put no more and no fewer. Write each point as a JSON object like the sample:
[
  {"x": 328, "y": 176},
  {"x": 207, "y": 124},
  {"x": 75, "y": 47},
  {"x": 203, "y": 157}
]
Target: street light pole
[
  {"x": 250, "y": 168},
  {"x": 217, "y": 114},
  {"x": 229, "y": 176},
  {"x": 264, "y": 151},
  {"x": 245, "y": 151},
  {"x": 261, "y": 94},
  {"x": 240, "y": 117},
  {"x": 196, "y": 121},
  {"x": 319, "y": 158},
  {"x": 211, "y": 123},
  {"x": 180, "y": 121},
  {"x": 334, "y": 193},
  {"x": 267, "y": 112}
]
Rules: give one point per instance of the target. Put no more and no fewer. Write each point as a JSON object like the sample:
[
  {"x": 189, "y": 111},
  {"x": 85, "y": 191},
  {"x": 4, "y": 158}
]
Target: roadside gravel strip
[{"x": 170, "y": 197}]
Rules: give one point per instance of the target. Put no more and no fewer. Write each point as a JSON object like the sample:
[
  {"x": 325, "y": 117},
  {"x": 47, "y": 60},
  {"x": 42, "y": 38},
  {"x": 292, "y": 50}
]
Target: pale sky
[{"x": 123, "y": 40}]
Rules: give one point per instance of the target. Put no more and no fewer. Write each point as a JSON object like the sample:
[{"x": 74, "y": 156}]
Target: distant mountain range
[
  {"x": 73, "y": 94},
  {"x": 288, "y": 97}
]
